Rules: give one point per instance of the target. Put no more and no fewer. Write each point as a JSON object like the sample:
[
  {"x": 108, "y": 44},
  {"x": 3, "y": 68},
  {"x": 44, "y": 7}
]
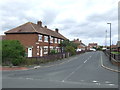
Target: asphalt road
[{"x": 81, "y": 71}]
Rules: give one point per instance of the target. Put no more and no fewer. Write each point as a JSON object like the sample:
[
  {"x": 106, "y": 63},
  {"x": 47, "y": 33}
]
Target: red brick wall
[{"x": 27, "y": 40}]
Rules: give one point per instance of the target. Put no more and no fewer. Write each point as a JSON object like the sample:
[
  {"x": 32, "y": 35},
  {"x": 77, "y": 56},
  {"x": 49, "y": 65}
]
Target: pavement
[{"x": 105, "y": 63}]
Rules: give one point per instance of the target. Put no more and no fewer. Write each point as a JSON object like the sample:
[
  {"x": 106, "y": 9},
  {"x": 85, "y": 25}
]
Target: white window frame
[
  {"x": 45, "y": 47},
  {"x": 55, "y": 39},
  {"x": 51, "y": 39},
  {"x": 59, "y": 41},
  {"x": 40, "y": 37},
  {"x": 45, "y": 38}
]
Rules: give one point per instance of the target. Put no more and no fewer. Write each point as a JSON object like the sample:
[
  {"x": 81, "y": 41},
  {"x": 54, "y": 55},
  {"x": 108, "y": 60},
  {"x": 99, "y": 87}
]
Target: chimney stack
[
  {"x": 57, "y": 30},
  {"x": 39, "y": 23},
  {"x": 45, "y": 26}
]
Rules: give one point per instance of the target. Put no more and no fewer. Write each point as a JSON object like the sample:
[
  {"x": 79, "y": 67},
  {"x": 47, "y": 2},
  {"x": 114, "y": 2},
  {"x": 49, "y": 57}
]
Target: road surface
[{"x": 81, "y": 71}]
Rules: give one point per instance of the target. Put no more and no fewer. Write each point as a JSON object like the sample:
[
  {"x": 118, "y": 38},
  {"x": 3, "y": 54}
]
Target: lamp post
[{"x": 110, "y": 41}]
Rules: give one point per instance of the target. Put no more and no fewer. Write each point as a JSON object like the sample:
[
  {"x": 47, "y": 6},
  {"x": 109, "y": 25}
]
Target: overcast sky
[{"x": 83, "y": 19}]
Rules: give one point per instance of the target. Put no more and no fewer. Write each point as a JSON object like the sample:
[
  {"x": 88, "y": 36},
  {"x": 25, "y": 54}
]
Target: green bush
[
  {"x": 13, "y": 52},
  {"x": 70, "y": 49},
  {"x": 53, "y": 51}
]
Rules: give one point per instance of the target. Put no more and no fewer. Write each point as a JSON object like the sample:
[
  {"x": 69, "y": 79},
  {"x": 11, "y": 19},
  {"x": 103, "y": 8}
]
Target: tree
[
  {"x": 12, "y": 52},
  {"x": 69, "y": 46},
  {"x": 70, "y": 49}
]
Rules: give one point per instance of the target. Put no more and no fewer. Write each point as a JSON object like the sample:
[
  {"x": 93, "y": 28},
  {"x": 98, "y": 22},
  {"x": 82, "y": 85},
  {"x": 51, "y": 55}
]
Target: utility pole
[
  {"x": 106, "y": 39},
  {"x": 110, "y": 41}
]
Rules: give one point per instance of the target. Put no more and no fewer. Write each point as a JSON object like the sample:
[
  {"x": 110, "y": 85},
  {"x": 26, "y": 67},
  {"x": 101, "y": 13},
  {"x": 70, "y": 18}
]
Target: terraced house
[{"x": 37, "y": 40}]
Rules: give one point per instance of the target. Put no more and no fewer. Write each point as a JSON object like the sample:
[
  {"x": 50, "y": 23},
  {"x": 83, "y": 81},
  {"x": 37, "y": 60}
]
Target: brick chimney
[
  {"x": 45, "y": 26},
  {"x": 57, "y": 30},
  {"x": 39, "y": 23},
  {"x": 77, "y": 39}
]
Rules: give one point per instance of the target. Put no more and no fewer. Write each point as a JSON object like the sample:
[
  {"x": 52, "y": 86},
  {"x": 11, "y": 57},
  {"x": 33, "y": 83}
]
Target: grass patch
[{"x": 115, "y": 52}]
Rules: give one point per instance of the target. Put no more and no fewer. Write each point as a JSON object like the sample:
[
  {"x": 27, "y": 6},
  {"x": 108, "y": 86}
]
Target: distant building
[
  {"x": 114, "y": 47},
  {"x": 81, "y": 46},
  {"x": 92, "y": 46},
  {"x": 2, "y": 37},
  {"x": 37, "y": 40},
  {"x": 118, "y": 45}
]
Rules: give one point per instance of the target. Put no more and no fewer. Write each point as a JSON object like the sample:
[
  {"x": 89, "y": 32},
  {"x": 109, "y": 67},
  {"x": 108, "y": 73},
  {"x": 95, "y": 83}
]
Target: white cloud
[{"x": 84, "y": 19}]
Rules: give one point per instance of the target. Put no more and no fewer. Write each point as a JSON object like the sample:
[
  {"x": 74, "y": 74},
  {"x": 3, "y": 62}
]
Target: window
[
  {"x": 45, "y": 38},
  {"x": 55, "y": 40},
  {"x": 51, "y": 39},
  {"x": 59, "y": 41},
  {"x": 45, "y": 48},
  {"x": 40, "y": 38}
]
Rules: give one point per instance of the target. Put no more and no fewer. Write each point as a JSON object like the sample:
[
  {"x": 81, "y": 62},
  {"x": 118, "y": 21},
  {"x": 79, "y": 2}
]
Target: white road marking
[
  {"x": 95, "y": 81},
  {"x": 111, "y": 84},
  {"x": 107, "y": 82},
  {"x": 75, "y": 70},
  {"x": 30, "y": 78},
  {"x": 85, "y": 61}
]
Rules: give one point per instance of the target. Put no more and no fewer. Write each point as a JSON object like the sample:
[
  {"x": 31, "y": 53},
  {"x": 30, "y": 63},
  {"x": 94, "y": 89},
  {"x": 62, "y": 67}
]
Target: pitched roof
[
  {"x": 92, "y": 44},
  {"x": 30, "y": 27}
]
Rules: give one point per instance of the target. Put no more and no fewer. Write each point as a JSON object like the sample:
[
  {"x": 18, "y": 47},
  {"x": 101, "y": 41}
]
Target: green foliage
[
  {"x": 13, "y": 52},
  {"x": 53, "y": 51},
  {"x": 70, "y": 49},
  {"x": 99, "y": 48},
  {"x": 69, "y": 46},
  {"x": 68, "y": 43}
]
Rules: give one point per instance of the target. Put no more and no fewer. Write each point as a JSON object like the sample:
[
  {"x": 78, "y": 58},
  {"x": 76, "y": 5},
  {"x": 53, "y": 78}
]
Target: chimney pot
[
  {"x": 39, "y": 23},
  {"x": 45, "y": 26},
  {"x": 57, "y": 30}
]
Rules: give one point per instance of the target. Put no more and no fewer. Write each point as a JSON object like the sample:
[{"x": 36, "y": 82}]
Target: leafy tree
[
  {"x": 12, "y": 52},
  {"x": 69, "y": 46},
  {"x": 70, "y": 49}
]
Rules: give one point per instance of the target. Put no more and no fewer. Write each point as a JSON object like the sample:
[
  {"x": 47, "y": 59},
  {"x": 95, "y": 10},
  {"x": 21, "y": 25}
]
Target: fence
[{"x": 48, "y": 58}]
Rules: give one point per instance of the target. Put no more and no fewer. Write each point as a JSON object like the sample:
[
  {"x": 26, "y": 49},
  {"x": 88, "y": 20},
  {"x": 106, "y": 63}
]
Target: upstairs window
[
  {"x": 45, "y": 38},
  {"x": 51, "y": 39},
  {"x": 59, "y": 41},
  {"x": 55, "y": 40},
  {"x": 40, "y": 38}
]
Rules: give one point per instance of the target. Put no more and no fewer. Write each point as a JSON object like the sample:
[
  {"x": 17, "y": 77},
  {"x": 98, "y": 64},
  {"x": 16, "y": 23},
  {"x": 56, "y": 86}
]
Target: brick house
[
  {"x": 37, "y": 40},
  {"x": 92, "y": 46},
  {"x": 81, "y": 46}
]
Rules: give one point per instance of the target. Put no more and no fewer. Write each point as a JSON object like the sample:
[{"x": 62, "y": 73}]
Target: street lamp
[{"x": 110, "y": 40}]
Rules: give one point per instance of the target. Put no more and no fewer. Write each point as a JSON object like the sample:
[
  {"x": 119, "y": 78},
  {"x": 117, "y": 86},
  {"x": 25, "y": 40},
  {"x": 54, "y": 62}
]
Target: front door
[
  {"x": 29, "y": 52},
  {"x": 41, "y": 51}
]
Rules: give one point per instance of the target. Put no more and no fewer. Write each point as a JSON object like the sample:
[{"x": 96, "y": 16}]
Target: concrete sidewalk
[{"x": 107, "y": 64}]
